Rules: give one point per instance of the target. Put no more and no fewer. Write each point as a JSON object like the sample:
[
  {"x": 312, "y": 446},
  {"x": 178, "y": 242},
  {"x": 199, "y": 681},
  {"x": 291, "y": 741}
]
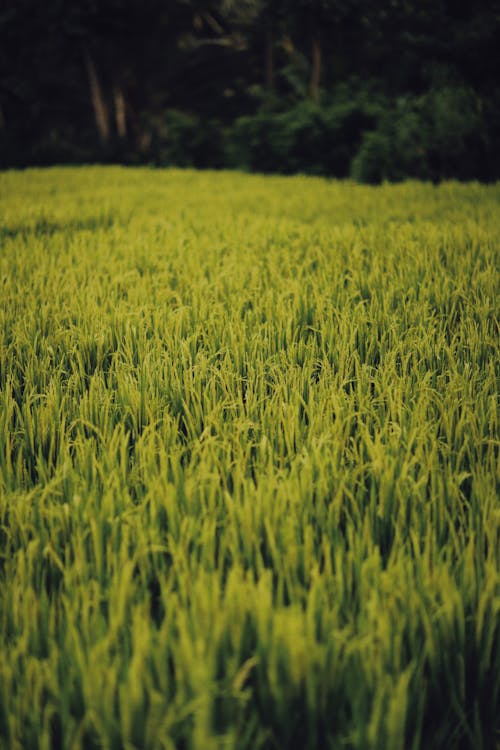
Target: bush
[
  {"x": 396, "y": 148},
  {"x": 307, "y": 137},
  {"x": 435, "y": 136},
  {"x": 184, "y": 140},
  {"x": 456, "y": 132}
]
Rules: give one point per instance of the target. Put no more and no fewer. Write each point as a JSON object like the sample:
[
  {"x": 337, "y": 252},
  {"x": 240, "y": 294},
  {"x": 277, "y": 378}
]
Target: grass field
[{"x": 249, "y": 463}]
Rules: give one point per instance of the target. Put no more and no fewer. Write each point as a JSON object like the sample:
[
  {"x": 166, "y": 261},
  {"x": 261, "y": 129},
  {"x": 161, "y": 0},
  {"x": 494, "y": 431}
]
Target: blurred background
[{"x": 362, "y": 88}]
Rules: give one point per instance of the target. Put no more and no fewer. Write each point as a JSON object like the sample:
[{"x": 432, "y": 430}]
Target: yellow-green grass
[{"x": 249, "y": 462}]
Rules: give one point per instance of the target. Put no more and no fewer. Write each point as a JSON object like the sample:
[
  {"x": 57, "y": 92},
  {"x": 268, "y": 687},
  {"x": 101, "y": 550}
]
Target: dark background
[{"x": 372, "y": 90}]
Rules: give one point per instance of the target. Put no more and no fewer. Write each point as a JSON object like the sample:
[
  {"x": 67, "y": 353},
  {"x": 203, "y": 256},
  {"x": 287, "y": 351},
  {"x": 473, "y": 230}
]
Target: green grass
[{"x": 249, "y": 463}]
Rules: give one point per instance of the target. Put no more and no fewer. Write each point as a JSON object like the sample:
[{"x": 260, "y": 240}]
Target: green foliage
[
  {"x": 456, "y": 131},
  {"x": 440, "y": 134},
  {"x": 307, "y": 137},
  {"x": 396, "y": 148},
  {"x": 249, "y": 462},
  {"x": 181, "y": 139}
]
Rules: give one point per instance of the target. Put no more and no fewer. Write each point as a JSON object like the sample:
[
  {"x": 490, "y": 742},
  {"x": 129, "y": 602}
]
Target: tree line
[{"x": 363, "y": 88}]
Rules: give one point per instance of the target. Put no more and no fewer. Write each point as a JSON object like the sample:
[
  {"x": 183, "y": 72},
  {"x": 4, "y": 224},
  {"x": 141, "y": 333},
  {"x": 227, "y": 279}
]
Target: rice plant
[{"x": 249, "y": 462}]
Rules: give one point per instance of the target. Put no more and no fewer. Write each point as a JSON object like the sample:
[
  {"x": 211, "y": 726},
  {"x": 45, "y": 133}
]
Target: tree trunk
[
  {"x": 269, "y": 59},
  {"x": 120, "y": 112},
  {"x": 316, "y": 65},
  {"x": 101, "y": 112}
]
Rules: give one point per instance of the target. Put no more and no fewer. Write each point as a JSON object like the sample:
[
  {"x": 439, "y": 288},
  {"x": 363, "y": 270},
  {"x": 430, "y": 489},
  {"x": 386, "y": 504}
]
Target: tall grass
[{"x": 249, "y": 463}]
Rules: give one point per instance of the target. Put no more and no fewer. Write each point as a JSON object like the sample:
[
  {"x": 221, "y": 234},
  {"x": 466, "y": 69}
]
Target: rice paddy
[{"x": 249, "y": 462}]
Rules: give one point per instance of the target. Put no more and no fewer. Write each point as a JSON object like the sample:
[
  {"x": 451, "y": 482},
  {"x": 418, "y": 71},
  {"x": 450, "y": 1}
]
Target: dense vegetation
[
  {"x": 343, "y": 88},
  {"x": 249, "y": 463}
]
